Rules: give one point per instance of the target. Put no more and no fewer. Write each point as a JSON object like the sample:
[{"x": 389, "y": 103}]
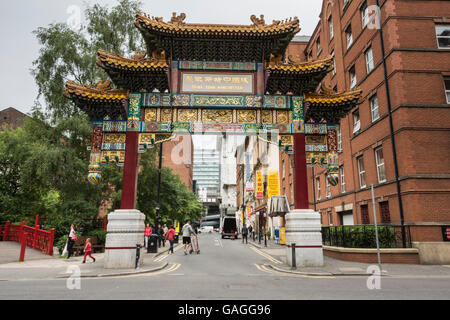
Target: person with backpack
[
  {"x": 187, "y": 231},
  {"x": 170, "y": 235}
]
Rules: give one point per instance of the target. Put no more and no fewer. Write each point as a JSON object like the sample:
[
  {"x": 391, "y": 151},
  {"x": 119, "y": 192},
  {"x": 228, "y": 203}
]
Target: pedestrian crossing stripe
[{"x": 265, "y": 255}]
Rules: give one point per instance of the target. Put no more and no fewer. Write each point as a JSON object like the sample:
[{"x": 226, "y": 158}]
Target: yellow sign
[
  {"x": 259, "y": 185},
  {"x": 217, "y": 83},
  {"x": 272, "y": 183}
]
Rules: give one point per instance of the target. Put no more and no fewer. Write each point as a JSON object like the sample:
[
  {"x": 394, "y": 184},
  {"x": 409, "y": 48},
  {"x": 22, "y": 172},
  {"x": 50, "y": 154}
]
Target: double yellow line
[
  {"x": 267, "y": 269},
  {"x": 165, "y": 255},
  {"x": 267, "y": 256}
]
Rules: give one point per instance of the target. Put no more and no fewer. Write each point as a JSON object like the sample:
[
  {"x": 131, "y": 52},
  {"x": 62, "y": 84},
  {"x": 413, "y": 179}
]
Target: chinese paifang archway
[{"x": 207, "y": 78}]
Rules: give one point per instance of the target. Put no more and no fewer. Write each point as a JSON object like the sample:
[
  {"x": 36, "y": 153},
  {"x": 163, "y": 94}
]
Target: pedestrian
[
  {"x": 147, "y": 233},
  {"x": 170, "y": 235},
  {"x": 165, "y": 229},
  {"x": 88, "y": 250},
  {"x": 244, "y": 233},
  {"x": 250, "y": 230},
  {"x": 187, "y": 231},
  {"x": 160, "y": 232},
  {"x": 71, "y": 240}
]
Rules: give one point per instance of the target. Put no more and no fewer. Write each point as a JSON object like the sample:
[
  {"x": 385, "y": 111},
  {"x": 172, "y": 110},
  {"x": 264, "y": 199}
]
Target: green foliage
[
  {"x": 361, "y": 236},
  {"x": 177, "y": 201},
  {"x": 100, "y": 234}
]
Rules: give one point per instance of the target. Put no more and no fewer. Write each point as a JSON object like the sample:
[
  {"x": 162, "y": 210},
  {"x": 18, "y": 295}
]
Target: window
[
  {"x": 374, "y": 107},
  {"x": 292, "y": 193},
  {"x": 282, "y": 169},
  {"x": 356, "y": 121},
  {"x": 361, "y": 172},
  {"x": 335, "y": 89},
  {"x": 364, "y": 15},
  {"x": 352, "y": 77},
  {"x": 318, "y": 188},
  {"x": 380, "y": 164},
  {"x": 341, "y": 172},
  {"x": 334, "y": 63},
  {"x": 290, "y": 167},
  {"x": 369, "y": 60},
  {"x": 447, "y": 89},
  {"x": 349, "y": 36},
  {"x": 328, "y": 188},
  {"x": 365, "y": 214},
  {"x": 318, "y": 46},
  {"x": 385, "y": 214},
  {"x": 339, "y": 139},
  {"x": 330, "y": 25},
  {"x": 443, "y": 36},
  {"x": 310, "y": 55}
]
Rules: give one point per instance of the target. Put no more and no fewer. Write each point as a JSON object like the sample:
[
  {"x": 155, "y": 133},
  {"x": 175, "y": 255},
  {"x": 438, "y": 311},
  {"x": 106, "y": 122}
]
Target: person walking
[
  {"x": 187, "y": 231},
  {"x": 159, "y": 232},
  {"x": 244, "y": 234},
  {"x": 250, "y": 230},
  {"x": 170, "y": 235},
  {"x": 147, "y": 233},
  {"x": 71, "y": 240},
  {"x": 88, "y": 250}
]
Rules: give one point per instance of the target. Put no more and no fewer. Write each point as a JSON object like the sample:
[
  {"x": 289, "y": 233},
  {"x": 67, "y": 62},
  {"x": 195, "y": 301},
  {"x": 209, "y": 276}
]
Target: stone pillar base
[
  {"x": 303, "y": 227},
  {"x": 125, "y": 230}
]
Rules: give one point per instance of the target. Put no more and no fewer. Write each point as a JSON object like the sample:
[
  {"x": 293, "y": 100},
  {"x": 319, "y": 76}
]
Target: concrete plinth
[
  {"x": 303, "y": 227},
  {"x": 125, "y": 230}
]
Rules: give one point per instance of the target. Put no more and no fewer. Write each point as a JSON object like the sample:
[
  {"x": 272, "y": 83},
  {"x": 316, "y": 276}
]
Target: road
[{"x": 226, "y": 269}]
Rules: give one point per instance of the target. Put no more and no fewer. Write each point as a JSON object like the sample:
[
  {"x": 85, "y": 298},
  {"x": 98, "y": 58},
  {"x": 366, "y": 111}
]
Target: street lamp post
[{"x": 159, "y": 184}]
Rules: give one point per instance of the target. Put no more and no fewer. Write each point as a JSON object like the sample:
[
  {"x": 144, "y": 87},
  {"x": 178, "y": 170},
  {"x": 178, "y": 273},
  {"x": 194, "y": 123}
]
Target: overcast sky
[{"x": 20, "y": 17}]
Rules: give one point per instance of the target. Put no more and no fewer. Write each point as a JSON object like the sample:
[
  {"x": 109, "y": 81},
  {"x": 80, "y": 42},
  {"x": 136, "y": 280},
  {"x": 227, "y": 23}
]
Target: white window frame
[
  {"x": 330, "y": 25},
  {"x": 334, "y": 63},
  {"x": 318, "y": 187},
  {"x": 319, "y": 49},
  {"x": 361, "y": 172},
  {"x": 374, "y": 108},
  {"x": 369, "y": 60},
  {"x": 327, "y": 188},
  {"x": 364, "y": 15},
  {"x": 447, "y": 90},
  {"x": 349, "y": 36},
  {"x": 339, "y": 139},
  {"x": 442, "y": 37},
  {"x": 292, "y": 191},
  {"x": 282, "y": 169},
  {"x": 353, "y": 80},
  {"x": 342, "y": 176},
  {"x": 381, "y": 169},
  {"x": 356, "y": 122}
]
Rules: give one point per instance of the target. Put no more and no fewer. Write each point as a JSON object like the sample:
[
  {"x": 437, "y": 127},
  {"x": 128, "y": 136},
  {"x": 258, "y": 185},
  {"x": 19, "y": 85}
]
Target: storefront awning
[{"x": 279, "y": 206}]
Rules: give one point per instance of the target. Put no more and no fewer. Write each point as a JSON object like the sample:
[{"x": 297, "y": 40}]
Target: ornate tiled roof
[
  {"x": 177, "y": 26},
  {"x": 329, "y": 97},
  {"x": 275, "y": 65},
  {"x": 139, "y": 62},
  {"x": 101, "y": 93}
]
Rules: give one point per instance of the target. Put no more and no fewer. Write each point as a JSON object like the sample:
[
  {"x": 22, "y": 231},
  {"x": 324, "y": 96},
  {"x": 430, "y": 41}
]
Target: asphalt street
[{"x": 227, "y": 269}]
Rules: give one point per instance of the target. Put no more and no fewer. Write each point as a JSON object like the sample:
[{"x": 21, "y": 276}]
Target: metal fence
[{"x": 363, "y": 236}]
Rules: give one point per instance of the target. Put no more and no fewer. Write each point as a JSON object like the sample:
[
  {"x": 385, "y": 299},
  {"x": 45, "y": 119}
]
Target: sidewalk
[
  {"x": 55, "y": 267},
  {"x": 336, "y": 267}
]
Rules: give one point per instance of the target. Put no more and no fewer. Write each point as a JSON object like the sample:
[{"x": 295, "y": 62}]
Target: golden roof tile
[
  {"x": 276, "y": 64},
  {"x": 138, "y": 62},
  {"x": 328, "y": 96},
  {"x": 177, "y": 24},
  {"x": 102, "y": 92}
]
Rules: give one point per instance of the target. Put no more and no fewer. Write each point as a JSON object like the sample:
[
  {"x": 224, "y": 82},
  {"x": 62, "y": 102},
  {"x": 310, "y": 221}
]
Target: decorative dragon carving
[
  {"x": 275, "y": 60},
  {"x": 139, "y": 55},
  {"x": 177, "y": 20},
  {"x": 103, "y": 85},
  {"x": 258, "y": 22}
]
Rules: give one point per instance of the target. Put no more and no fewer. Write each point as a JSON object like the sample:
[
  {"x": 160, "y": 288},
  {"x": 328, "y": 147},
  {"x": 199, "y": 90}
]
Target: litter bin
[
  {"x": 152, "y": 246},
  {"x": 176, "y": 238}
]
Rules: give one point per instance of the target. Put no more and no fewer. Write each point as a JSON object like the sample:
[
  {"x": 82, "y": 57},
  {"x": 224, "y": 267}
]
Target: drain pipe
[{"x": 391, "y": 127}]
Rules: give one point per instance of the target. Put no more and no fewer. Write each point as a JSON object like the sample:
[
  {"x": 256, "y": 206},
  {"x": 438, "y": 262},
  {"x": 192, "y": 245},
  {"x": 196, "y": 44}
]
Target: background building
[
  {"x": 11, "y": 118},
  {"x": 398, "y": 137}
]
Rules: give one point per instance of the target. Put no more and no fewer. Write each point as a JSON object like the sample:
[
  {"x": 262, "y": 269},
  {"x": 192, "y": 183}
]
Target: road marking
[
  {"x": 164, "y": 256},
  {"x": 267, "y": 256},
  {"x": 267, "y": 269},
  {"x": 217, "y": 242}
]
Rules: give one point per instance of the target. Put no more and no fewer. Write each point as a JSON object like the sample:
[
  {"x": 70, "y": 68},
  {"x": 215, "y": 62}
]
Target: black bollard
[
  {"x": 294, "y": 262},
  {"x": 138, "y": 254}
]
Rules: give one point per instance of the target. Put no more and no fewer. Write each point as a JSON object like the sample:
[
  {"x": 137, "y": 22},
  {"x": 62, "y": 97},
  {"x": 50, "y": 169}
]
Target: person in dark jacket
[
  {"x": 244, "y": 234},
  {"x": 71, "y": 240}
]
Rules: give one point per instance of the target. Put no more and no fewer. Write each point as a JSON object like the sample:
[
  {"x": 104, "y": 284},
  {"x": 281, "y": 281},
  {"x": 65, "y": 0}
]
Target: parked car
[{"x": 205, "y": 229}]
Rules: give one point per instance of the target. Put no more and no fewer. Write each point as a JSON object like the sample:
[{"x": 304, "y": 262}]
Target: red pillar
[
  {"x": 50, "y": 241},
  {"x": 130, "y": 171},
  {"x": 301, "y": 178}
]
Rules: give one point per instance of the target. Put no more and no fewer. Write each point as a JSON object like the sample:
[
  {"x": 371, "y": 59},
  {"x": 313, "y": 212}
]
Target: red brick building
[
  {"x": 12, "y": 118},
  {"x": 413, "y": 156}
]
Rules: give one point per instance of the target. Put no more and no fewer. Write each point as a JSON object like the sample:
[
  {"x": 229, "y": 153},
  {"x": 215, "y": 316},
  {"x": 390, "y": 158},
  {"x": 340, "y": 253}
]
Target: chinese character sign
[
  {"x": 272, "y": 183},
  {"x": 217, "y": 83},
  {"x": 259, "y": 185}
]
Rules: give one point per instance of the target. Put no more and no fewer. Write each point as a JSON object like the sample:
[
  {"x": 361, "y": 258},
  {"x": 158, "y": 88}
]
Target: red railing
[{"x": 27, "y": 236}]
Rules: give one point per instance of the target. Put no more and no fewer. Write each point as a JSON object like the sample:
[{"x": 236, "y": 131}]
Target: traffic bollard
[
  {"x": 138, "y": 254},
  {"x": 294, "y": 262}
]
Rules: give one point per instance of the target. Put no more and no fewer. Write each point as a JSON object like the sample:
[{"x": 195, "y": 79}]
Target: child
[{"x": 88, "y": 250}]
